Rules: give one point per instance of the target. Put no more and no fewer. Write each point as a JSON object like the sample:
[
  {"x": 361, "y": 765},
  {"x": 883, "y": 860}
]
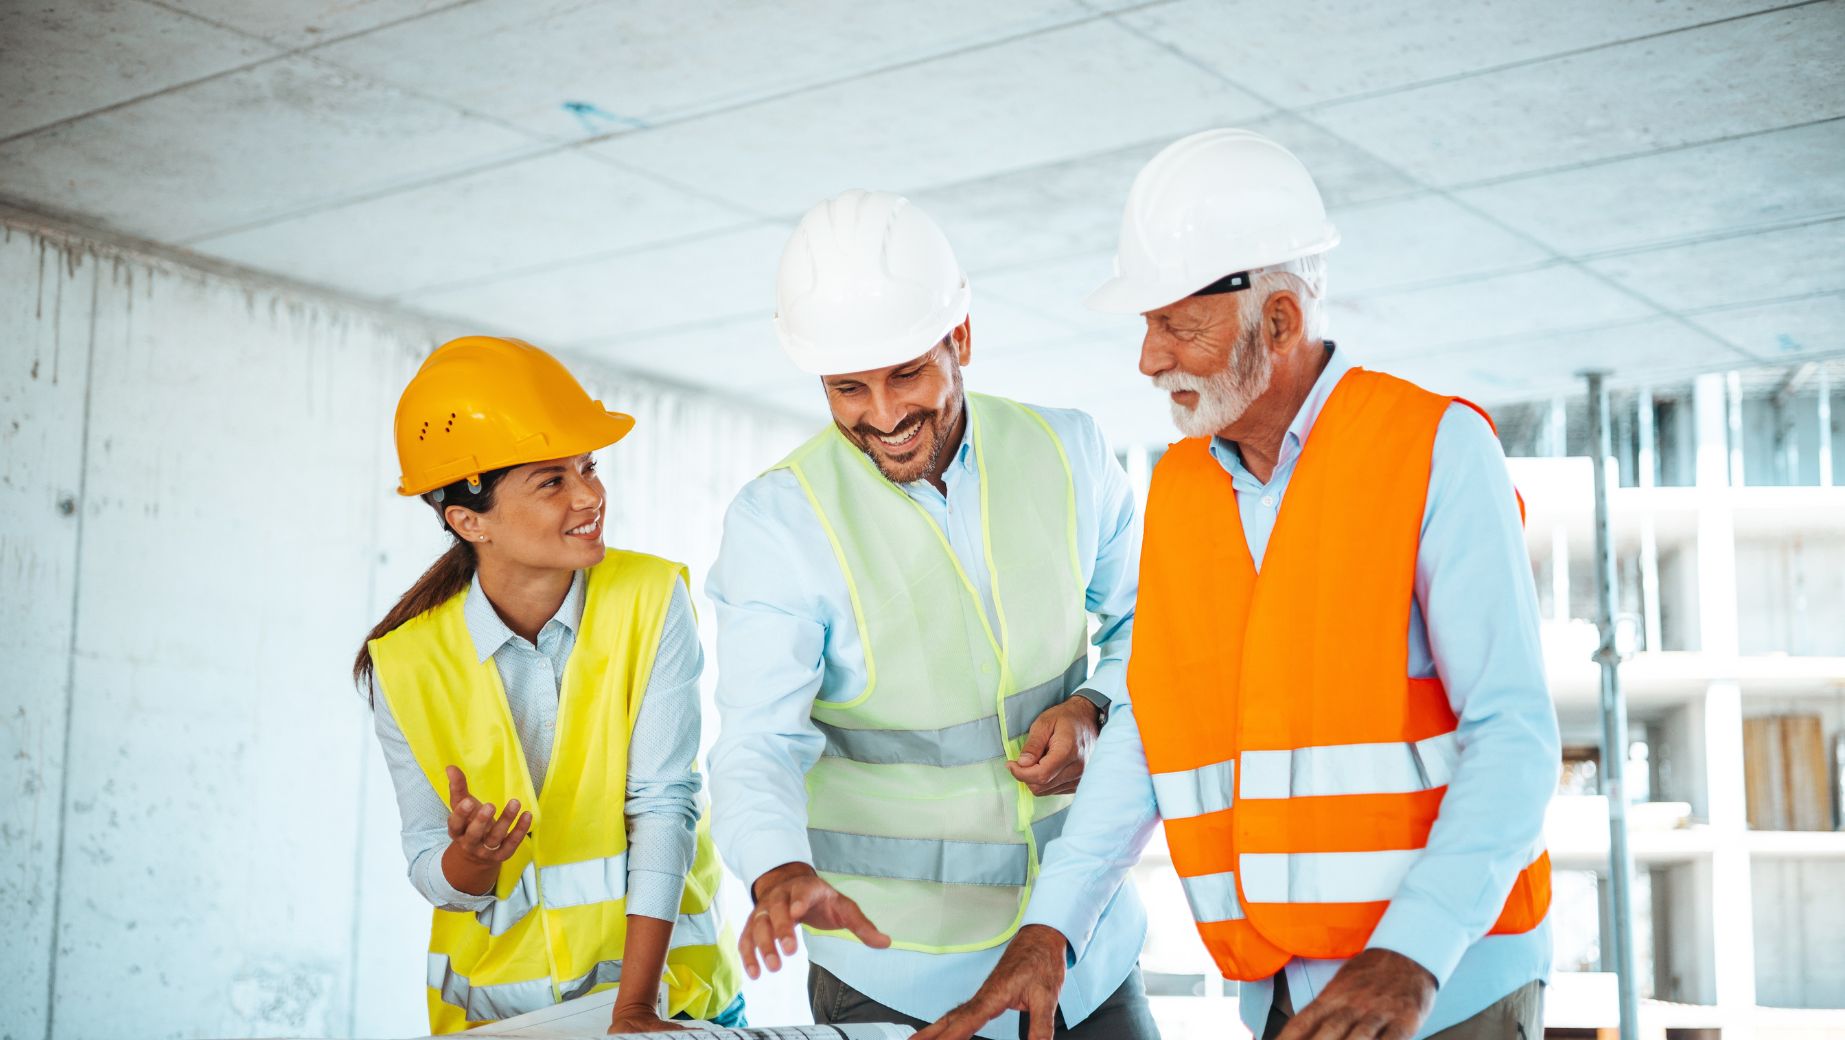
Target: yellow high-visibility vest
[
  {"x": 558, "y": 919},
  {"x": 911, "y": 810}
]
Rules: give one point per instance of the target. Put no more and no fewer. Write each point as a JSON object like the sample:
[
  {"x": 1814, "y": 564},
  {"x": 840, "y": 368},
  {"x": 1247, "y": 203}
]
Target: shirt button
[{"x": 1269, "y": 501}]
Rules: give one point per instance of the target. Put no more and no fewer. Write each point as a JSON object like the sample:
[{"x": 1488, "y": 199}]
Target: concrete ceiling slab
[
  {"x": 1405, "y": 323},
  {"x": 1038, "y": 214},
  {"x": 942, "y": 120},
  {"x": 1786, "y": 330},
  {"x": 1298, "y": 55},
  {"x": 619, "y": 176},
  {"x": 743, "y": 348},
  {"x": 241, "y": 149},
  {"x": 1537, "y": 366},
  {"x": 1056, "y": 290},
  {"x": 1058, "y": 209},
  {"x": 685, "y": 284},
  {"x": 304, "y": 23},
  {"x": 569, "y": 69},
  {"x": 60, "y": 60},
  {"x": 1653, "y": 93},
  {"x": 1798, "y": 261},
  {"x": 1423, "y": 238},
  {"x": 547, "y": 211},
  {"x": 1761, "y": 179}
]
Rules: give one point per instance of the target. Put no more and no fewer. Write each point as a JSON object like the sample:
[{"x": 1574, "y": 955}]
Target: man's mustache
[{"x": 913, "y": 419}]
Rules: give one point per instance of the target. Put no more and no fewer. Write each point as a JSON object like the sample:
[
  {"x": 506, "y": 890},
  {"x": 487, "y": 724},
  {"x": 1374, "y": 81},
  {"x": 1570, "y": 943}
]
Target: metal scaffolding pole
[{"x": 1613, "y": 772}]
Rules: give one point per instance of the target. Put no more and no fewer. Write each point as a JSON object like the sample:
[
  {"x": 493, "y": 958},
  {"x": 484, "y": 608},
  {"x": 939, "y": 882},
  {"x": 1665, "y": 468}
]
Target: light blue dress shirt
[
  {"x": 661, "y": 807},
  {"x": 786, "y": 635},
  {"x": 1473, "y": 585}
]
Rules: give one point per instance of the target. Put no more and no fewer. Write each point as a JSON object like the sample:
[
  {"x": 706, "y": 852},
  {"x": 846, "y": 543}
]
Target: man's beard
[
  {"x": 1224, "y": 395},
  {"x": 921, "y": 460}
]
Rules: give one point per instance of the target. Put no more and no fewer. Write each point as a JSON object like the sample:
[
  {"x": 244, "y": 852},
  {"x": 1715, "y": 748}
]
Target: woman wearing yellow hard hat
[{"x": 536, "y": 695}]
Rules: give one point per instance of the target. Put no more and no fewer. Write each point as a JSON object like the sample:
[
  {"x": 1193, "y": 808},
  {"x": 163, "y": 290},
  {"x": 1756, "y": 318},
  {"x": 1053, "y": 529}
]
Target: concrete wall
[{"x": 196, "y": 528}]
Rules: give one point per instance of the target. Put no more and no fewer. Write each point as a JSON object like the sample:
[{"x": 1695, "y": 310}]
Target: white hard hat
[
  {"x": 1213, "y": 204},
  {"x": 866, "y": 280}
]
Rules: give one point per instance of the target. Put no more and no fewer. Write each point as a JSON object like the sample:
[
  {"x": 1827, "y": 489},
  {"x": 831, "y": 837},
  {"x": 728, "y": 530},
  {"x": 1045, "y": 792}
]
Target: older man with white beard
[{"x": 1341, "y": 717}]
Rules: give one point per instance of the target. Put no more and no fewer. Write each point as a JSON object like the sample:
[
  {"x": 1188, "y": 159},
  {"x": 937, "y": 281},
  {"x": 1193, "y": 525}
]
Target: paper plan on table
[{"x": 588, "y": 1017}]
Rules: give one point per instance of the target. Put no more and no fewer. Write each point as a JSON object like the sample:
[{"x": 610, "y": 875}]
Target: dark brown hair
[{"x": 450, "y": 574}]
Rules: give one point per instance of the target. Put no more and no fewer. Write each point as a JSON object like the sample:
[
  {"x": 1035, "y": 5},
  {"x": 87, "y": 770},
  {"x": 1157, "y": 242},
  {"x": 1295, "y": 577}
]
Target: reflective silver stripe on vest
[
  {"x": 488, "y": 1003},
  {"x": 1195, "y": 792},
  {"x": 564, "y": 884},
  {"x": 929, "y": 859},
  {"x": 961, "y": 744},
  {"x": 1213, "y": 897},
  {"x": 1393, "y": 768},
  {"x": 1324, "y": 877},
  {"x": 506, "y": 999}
]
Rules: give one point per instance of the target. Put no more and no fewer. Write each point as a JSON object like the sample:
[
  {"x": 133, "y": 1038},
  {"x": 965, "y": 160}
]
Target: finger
[
  {"x": 457, "y": 785},
  {"x": 746, "y": 949},
  {"x": 1064, "y": 782},
  {"x": 517, "y": 835},
  {"x": 760, "y": 940},
  {"x": 1301, "y": 1025},
  {"x": 1042, "y": 1021},
  {"x": 478, "y": 824},
  {"x": 961, "y": 1023},
  {"x": 783, "y": 916},
  {"x": 860, "y": 925},
  {"x": 496, "y": 834},
  {"x": 1320, "y": 1021},
  {"x": 781, "y": 933}
]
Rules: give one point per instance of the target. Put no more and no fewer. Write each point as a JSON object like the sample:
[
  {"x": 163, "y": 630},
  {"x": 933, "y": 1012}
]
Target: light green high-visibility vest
[{"x": 911, "y": 810}]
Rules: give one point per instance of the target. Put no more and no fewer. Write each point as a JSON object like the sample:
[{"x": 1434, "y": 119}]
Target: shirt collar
[
  {"x": 1338, "y": 363},
  {"x": 489, "y": 632}
]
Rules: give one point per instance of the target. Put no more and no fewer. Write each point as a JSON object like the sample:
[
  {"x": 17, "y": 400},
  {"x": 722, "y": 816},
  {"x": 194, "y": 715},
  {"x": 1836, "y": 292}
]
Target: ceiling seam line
[{"x": 1573, "y": 52}]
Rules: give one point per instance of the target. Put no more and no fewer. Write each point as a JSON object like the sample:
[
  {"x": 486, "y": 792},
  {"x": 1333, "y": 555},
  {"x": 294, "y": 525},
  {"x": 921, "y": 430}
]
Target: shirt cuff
[
  {"x": 1072, "y": 910},
  {"x": 428, "y": 876},
  {"x": 653, "y": 894},
  {"x": 1425, "y": 933},
  {"x": 770, "y": 849},
  {"x": 1109, "y": 678},
  {"x": 1096, "y": 697}
]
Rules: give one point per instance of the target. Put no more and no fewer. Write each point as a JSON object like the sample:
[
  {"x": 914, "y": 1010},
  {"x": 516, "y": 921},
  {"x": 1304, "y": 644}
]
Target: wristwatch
[{"x": 1097, "y": 698}]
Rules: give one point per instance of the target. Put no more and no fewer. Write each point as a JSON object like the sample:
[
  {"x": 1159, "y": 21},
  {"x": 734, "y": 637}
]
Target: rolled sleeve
[
  {"x": 1110, "y": 821},
  {"x": 1114, "y": 577},
  {"x": 663, "y": 783},
  {"x": 770, "y": 667},
  {"x": 424, "y": 814},
  {"x": 1475, "y": 590}
]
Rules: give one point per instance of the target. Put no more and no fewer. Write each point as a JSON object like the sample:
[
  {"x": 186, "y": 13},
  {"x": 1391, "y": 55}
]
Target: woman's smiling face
[{"x": 545, "y": 516}]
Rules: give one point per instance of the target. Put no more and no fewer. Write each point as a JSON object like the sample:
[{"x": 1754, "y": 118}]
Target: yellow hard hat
[{"x": 481, "y": 403}]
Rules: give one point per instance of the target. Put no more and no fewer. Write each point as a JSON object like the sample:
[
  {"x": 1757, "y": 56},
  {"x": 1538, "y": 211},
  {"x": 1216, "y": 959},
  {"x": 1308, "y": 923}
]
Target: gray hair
[{"x": 1305, "y": 277}]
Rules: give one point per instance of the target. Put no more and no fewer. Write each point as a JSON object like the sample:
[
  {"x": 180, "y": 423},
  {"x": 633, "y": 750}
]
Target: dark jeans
[
  {"x": 1519, "y": 1015},
  {"x": 1123, "y": 1016}
]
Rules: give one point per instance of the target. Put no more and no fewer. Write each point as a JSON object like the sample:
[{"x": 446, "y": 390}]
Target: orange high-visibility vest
[{"x": 1297, "y": 765}]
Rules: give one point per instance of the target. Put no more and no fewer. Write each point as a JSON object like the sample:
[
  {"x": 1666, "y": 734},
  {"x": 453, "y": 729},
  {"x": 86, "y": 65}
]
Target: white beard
[{"x": 1224, "y": 395}]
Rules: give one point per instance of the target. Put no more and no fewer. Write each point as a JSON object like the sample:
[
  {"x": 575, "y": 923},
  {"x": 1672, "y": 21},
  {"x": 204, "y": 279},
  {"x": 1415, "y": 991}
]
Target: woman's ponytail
[{"x": 450, "y": 575}]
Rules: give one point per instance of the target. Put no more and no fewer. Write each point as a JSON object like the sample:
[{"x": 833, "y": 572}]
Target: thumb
[
  {"x": 1036, "y": 741},
  {"x": 457, "y": 786}
]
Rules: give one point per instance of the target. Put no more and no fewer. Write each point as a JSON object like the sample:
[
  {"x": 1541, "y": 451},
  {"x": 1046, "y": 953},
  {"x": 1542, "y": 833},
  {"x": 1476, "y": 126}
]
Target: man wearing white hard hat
[
  {"x": 1339, "y": 708},
  {"x": 903, "y": 645}
]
